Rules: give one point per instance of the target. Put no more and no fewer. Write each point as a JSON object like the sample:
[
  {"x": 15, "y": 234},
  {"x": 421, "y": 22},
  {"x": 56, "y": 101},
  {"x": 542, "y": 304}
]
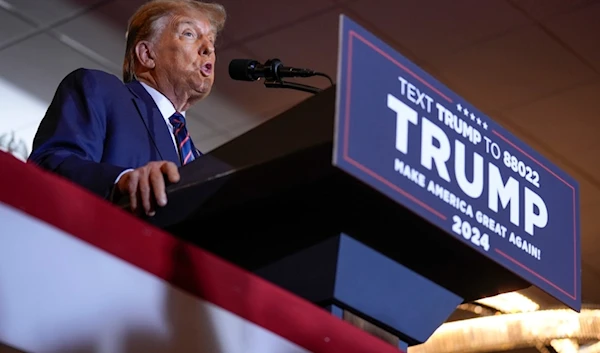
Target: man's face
[{"x": 185, "y": 54}]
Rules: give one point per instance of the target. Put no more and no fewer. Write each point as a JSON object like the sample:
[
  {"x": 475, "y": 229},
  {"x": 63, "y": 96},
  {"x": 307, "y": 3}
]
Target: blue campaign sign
[{"x": 413, "y": 139}]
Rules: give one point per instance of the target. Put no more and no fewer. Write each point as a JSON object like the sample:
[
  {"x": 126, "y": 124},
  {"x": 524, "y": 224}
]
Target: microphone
[{"x": 271, "y": 70}]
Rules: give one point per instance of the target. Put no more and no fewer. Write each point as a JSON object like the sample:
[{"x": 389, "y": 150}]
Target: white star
[
  {"x": 466, "y": 111},
  {"x": 478, "y": 121},
  {"x": 485, "y": 125},
  {"x": 472, "y": 117},
  {"x": 459, "y": 107}
]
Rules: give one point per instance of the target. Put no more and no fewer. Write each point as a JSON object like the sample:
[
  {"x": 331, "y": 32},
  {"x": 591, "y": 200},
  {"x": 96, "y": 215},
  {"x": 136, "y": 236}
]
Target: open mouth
[{"x": 207, "y": 69}]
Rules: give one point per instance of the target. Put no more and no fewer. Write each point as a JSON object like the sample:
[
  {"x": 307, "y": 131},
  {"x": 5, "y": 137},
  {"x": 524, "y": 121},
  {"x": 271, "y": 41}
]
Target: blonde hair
[{"x": 145, "y": 25}]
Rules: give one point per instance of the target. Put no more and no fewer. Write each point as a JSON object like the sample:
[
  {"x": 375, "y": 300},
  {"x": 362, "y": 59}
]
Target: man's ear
[{"x": 145, "y": 54}]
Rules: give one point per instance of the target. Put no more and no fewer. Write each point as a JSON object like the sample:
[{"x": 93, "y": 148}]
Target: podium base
[{"x": 371, "y": 290}]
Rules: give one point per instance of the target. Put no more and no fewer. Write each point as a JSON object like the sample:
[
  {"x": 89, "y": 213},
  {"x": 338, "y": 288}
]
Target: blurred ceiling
[{"x": 531, "y": 65}]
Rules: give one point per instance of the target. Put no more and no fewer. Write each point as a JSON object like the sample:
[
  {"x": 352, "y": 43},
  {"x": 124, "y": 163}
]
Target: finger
[
  {"x": 144, "y": 190},
  {"x": 157, "y": 182},
  {"x": 171, "y": 171},
  {"x": 132, "y": 187}
]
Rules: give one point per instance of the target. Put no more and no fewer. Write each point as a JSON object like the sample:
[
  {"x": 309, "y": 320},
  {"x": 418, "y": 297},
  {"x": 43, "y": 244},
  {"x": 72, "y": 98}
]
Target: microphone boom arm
[{"x": 292, "y": 85}]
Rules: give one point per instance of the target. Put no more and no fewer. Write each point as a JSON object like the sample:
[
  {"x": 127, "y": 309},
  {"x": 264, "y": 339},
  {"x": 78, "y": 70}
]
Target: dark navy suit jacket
[{"x": 97, "y": 127}]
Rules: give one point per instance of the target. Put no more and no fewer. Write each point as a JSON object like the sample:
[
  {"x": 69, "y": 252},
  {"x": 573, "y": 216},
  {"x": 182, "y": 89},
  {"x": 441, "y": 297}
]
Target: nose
[{"x": 207, "y": 48}]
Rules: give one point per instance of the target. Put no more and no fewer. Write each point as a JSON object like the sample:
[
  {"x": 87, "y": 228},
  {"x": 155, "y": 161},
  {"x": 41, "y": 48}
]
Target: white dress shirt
[{"x": 166, "y": 109}]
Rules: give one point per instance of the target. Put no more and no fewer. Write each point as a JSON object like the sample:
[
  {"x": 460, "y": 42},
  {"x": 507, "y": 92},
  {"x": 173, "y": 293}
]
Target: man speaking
[{"x": 117, "y": 138}]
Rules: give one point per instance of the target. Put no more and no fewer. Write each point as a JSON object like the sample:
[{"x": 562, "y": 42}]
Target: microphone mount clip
[{"x": 278, "y": 82}]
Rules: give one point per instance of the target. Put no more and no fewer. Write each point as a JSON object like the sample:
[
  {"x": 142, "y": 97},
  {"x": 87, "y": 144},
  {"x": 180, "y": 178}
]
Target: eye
[{"x": 188, "y": 34}]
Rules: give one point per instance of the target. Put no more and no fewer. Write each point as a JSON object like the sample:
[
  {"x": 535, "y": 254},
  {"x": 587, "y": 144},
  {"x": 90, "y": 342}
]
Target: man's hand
[{"x": 146, "y": 186}]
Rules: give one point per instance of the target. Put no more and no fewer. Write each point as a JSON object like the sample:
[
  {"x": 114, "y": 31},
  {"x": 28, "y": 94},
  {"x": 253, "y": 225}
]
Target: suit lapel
[{"x": 154, "y": 122}]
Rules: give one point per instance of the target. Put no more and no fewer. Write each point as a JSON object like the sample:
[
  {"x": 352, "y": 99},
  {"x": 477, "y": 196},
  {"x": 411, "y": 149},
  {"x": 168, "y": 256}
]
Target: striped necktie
[{"x": 187, "y": 151}]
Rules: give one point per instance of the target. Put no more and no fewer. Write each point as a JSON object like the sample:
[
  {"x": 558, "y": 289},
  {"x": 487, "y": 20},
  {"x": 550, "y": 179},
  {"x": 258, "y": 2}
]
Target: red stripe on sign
[{"x": 85, "y": 216}]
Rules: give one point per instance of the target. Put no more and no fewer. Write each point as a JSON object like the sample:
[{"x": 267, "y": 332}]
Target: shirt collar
[{"x": 163, "y": 103}]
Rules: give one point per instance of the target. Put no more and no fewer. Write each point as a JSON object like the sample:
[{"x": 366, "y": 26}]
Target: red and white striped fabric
[{"x": 79, "y": 275}]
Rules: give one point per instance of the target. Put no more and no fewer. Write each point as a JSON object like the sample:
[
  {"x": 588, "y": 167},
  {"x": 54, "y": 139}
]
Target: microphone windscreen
[{"x": 240, "y": 69}]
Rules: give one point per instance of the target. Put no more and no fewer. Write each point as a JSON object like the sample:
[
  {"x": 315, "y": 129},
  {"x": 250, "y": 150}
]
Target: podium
[
  {"x": 286, "y": 201},
  {"x": 282, "y": 210}
]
